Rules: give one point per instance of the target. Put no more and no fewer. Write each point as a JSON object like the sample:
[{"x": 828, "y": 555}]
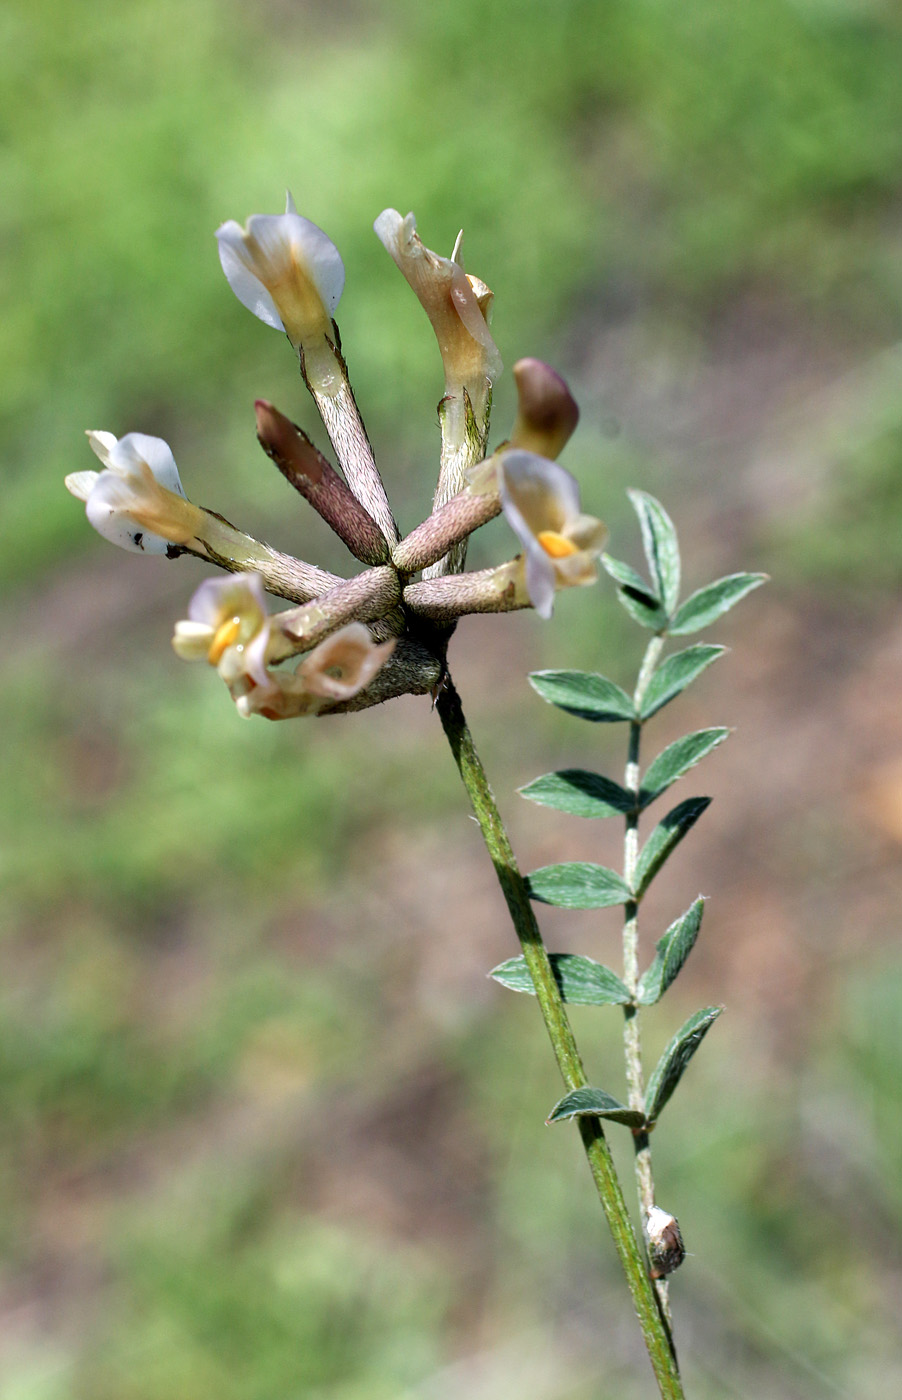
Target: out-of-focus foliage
[{"x": 262, "y": 1134}]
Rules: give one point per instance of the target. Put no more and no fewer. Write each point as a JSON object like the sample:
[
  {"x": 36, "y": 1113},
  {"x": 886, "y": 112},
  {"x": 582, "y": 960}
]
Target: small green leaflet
[
  {"x": 580, "y": 793},
  {"x": 669, "y": 1069},
  {"x": 594, "y": 1103},
  {"x": 582, "y": 981},
  {"x": 708, "y": 604},
  {"x": 673, "y": 950},
  {"x": 627, "y": 577},
  {"x": 578, "y": 885},
  {"x": 659, "y": 540},
  {"x": 665, "y": 837},
  {"x": 584, "y": 694},
  {"x": 636, "y": 595},
  {"x": 674, "y": 674},
  {"x": 676, "y": 760}
]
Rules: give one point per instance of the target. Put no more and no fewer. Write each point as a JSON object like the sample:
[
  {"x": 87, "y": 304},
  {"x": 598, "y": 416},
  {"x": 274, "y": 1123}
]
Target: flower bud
[
  {"x": 449, "y": 525},
  {"x": 547, "y": 412},
  {"x": 366, "y": 597}
]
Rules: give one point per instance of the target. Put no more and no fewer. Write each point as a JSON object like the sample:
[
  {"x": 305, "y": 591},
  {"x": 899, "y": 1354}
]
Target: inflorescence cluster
[{"x": 385, "y": 631}]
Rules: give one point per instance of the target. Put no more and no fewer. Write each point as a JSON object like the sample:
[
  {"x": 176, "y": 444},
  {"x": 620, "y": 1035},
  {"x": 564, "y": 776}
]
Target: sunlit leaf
[
  {"x": 708, "y": 604},
  {"x": 581, "y": 980},
  {"x": 594, "y": 1103},
  {"x": 666, "y": 836},
  {"x": 578, "y": 885},
  {"x": 585, "y": 694},
  {"x": 672, "y": 1064},
  {"x": 659, "y": 539},
  {"x": 580, "y": 793},
  {"x": 677, "y": 759},
  {"x": 672, "y": 951},
  {"x": 674, "y": 674}
]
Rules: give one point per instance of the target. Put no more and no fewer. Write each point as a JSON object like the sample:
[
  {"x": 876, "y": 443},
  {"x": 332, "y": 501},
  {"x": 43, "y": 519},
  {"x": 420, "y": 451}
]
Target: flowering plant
[{"x": 383, "y": 632}]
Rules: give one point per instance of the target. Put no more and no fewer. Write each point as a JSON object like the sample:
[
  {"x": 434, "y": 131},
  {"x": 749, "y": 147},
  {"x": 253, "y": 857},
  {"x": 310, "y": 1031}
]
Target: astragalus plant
[{"x": 350, "y": 643}]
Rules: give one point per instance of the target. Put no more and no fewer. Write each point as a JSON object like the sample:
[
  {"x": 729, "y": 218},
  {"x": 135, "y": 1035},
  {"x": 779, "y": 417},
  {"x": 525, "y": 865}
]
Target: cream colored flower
[
  {"x": 229, "y": 627},
  {"x": 138, "y": 501},
  {"x": 540, "y": 501},
  {"x": 290, "y": 274}
]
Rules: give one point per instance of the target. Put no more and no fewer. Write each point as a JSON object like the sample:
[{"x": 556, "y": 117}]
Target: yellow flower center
[
  {"x": 223, "y": 638},
  {"x": 556, "y": 545}
]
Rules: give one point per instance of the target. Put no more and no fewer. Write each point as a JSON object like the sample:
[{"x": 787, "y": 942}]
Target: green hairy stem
[
  {"x": 653, "y": 1324},
  {"x": 632, "y": 1047}
]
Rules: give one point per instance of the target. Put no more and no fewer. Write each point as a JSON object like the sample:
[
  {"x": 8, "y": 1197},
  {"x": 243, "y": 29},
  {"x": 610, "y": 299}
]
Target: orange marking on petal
[
  {"x": 223, "y": 638},
  {"x": 556, "y": 545}
]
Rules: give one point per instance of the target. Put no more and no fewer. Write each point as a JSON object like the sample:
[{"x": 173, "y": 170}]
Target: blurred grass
[{"x": 213, "y": 996}]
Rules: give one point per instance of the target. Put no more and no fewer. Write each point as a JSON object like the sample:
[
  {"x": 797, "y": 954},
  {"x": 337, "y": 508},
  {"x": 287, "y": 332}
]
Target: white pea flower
[
  {"x": 138, "y": 501},
  {"x": 540, "y": 501},
  {"x": 290, "y": 274},
  {"x": 229, "y": 627}
]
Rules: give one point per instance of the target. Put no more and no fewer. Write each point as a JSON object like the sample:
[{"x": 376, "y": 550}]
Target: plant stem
[
  {"x": 463, "y": 445},
  {"x": 344, "y": 425},
  {"x": 653, "y": 1325},
  {"x": 632, "y": 1047}
]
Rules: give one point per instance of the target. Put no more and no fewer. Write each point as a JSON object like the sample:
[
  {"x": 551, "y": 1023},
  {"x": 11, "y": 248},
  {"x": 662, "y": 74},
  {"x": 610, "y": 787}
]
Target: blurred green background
[{"x": 265, "y": 1127}]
